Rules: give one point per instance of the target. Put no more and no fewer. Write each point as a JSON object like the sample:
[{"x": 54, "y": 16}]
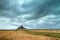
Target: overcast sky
[{"x": 32, "y": 14}]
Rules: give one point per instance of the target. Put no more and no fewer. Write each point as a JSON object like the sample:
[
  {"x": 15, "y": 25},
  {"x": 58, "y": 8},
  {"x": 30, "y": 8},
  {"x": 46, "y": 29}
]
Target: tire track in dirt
[{"x": 21, "y": 35}]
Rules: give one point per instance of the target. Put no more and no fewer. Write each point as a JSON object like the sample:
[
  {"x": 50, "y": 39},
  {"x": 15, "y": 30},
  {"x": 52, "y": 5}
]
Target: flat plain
[{"x": 29, "y": 34}]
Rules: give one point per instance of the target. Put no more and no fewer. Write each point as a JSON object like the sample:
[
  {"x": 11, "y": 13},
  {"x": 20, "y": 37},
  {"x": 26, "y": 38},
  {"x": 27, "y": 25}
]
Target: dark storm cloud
[
  {"x": 16, "y": 12},
  {"x": 35, "y": 7},
  {"x": 39, "y": 8}
]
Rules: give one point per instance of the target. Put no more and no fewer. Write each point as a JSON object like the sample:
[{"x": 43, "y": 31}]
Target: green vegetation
[{"x": 52, "y": 34}]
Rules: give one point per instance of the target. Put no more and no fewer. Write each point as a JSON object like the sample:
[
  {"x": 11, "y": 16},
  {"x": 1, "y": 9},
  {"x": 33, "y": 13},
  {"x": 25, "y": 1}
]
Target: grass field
[
  {"x": 29, "y": 34},
  {"x": 52, "y": 33}
]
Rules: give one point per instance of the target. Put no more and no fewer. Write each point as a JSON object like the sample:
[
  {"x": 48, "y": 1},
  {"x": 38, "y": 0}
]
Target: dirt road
[{"x": 21, "y": 35}]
